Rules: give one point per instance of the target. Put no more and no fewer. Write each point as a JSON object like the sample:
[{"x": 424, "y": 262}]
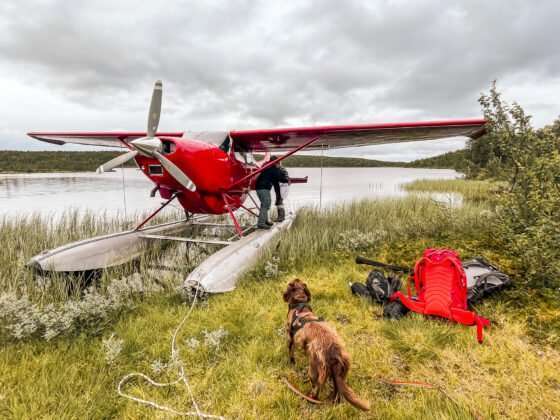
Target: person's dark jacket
[
  {"x": 284, "y": 180},
  {"x": 272, "y": 175}
]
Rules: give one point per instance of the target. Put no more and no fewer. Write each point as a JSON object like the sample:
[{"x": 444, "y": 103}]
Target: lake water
[{"x": 128, "y": 191}]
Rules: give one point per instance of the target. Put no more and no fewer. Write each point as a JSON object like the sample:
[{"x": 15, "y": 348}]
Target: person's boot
[
  {"x": 281, "y": 214},
  {"x": 269, "y": 223},
  {"x": 265, "y": 227}
]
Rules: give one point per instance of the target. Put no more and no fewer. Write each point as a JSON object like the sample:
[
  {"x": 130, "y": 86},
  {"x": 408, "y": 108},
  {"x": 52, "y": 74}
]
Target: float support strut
[
  {"x": 253, "y": 200},
  {"x": 235, "y": 222},
  {"x": 151, "y": 216},
  {"x": 247, "y": 209}
]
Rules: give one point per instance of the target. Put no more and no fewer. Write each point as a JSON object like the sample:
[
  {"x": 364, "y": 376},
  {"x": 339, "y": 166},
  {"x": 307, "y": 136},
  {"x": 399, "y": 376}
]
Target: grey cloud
[
  {"x": 255, "y": 63},
  {"x": 440, "y": 56}
]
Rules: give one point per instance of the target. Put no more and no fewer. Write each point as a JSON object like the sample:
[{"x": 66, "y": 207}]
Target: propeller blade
[
  {"x": 175, "y": 172},
  {"x": 146, "y": 145},
  {"x": 118, "y": 161},
  {"x": 155, "y": 109}
]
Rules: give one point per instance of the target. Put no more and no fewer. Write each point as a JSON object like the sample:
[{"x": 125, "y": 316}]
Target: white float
[
  {"x": 220, "y": 272},
  {"x": 101, "y": 251}
]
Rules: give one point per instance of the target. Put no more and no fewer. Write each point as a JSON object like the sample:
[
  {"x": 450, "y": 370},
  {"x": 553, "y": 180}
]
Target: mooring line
[
  {"x": 182, "y": 378},
  {"x": 123, "y": 190}
]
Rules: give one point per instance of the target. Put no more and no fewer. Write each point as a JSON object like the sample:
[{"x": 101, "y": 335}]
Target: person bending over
[
  {"x": 268, "y": 178},
  {"x": 281, "y": 191}
]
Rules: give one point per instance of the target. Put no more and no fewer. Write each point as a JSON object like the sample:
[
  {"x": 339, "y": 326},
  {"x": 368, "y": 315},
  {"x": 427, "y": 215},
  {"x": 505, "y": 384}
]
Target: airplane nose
[{"x": 147, "y": 145}]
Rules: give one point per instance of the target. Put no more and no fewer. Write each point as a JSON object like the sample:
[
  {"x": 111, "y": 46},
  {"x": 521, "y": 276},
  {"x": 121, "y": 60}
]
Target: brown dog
[{"x": 327, "y": 357}]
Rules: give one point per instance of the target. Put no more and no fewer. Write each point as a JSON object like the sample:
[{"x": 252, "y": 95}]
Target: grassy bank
[{"x": 234, "y": 350}]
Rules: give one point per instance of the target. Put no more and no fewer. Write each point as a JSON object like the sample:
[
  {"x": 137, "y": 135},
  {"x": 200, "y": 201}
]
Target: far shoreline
[
  {"x": 35, "y": 162},
  {"x": 92, "y": 172}
]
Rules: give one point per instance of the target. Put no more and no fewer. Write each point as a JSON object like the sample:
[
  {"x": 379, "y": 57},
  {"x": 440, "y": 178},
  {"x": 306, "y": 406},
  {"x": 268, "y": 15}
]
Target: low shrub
[{"x": 22, "y": 319}]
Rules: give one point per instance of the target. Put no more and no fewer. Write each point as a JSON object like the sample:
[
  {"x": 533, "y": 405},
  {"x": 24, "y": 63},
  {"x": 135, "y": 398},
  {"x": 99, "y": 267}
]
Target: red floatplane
[{"x": 212, "y": 173}]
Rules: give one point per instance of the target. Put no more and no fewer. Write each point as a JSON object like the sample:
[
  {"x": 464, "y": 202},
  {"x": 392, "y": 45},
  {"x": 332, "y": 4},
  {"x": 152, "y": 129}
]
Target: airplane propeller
[
  {"x": 150, "y": 145},
  {"x": 155, "y": 109},
  {"x": 175, "y": 172},
  {"x": 118, "y": 161}
]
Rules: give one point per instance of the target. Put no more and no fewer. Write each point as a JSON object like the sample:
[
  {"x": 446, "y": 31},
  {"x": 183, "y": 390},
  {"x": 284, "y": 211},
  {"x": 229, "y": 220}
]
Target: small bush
[
  {"x": 112, "y": 347},
  {"x": 528, "y": 220},
  {"x": 21, "y": 319}
]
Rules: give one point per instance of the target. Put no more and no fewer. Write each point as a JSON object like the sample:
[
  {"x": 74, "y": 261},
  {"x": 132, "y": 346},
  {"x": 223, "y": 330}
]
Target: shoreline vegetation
[
  {"x": 12, "y": 161},
  {"x": 63, "y": 353},
  {"x": 233, "y": 347}
]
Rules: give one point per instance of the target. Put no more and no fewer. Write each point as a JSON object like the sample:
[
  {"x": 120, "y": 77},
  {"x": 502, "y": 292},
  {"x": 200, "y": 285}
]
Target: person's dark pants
[
  {"x": 280, "y": 209},
  {"x": 281, "y": 194},
  {"x": 264, "y": 198}
]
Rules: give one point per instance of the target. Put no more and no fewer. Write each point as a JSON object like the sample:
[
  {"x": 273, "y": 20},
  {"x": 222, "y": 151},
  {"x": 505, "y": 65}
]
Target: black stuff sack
[{"x": 377, "y": 287}]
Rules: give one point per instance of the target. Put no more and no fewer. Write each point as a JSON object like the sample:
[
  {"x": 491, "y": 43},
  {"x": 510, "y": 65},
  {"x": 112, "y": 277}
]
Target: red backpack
[{"x": 441, "y": 288}]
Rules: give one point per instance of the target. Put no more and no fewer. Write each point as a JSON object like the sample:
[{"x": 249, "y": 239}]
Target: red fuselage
[{"x": 212, "y": 170}]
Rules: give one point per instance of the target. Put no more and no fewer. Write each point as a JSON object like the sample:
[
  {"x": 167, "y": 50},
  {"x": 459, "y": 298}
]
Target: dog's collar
[
  {"x": 299, "y": 306},
  {"x": 298, "y": 322}
]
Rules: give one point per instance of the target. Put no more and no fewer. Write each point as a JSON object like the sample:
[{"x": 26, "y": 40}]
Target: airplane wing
[
  {"x": 336, "y": 136},
  {"x": 110, "y": 139},
  {"x": 286, "y": 139}
]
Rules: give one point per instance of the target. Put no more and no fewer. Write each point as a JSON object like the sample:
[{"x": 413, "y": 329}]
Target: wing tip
[{"x": 39, "y": 136}]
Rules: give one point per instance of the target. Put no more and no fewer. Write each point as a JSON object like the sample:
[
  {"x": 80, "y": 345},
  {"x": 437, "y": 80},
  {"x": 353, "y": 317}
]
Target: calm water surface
[{"x": 50, "y": 194}]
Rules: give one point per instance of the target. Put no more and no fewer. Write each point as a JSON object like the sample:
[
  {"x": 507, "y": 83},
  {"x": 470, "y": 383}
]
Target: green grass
[
  {"x": 70, "y": 378},
  {"x": 511, "y": 375},
  {"x": 478, "y": 191}
]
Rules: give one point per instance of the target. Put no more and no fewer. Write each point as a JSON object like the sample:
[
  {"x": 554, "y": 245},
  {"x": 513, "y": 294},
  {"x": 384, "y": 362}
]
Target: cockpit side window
[
  {"x": 168, "y": 147},
  {"x": 225, "y": 146}
]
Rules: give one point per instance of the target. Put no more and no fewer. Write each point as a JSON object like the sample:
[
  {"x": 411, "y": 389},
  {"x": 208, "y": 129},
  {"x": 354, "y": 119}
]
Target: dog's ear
[
  {"x": 307, "y": 292},
  {"x": 287, "y": 293}
]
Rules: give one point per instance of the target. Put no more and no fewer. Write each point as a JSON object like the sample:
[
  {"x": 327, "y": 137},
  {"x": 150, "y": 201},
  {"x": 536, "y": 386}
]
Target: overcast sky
[{"x": 76, "y": 65}]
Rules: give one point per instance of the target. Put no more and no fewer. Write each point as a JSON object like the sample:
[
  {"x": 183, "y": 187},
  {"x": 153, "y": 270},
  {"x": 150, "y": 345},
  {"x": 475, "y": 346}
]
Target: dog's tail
[{"x": 339, "y": 368}]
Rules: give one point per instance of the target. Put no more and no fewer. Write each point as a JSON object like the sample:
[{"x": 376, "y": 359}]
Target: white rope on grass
[{"x": 182, "y": 378}]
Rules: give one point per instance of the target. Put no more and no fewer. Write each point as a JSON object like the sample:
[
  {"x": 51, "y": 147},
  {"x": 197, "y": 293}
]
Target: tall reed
[
  {"x": 368, "y": 226},
  {"x": 24, "y": 236}
]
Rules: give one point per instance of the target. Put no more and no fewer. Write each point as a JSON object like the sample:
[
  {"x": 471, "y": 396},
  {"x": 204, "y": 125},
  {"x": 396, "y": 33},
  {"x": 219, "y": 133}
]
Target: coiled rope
[{"x": 182, "y": 378}]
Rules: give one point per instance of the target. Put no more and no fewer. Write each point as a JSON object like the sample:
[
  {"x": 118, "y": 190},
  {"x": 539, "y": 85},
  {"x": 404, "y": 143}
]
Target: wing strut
[{"x": 274, "y": 162}]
